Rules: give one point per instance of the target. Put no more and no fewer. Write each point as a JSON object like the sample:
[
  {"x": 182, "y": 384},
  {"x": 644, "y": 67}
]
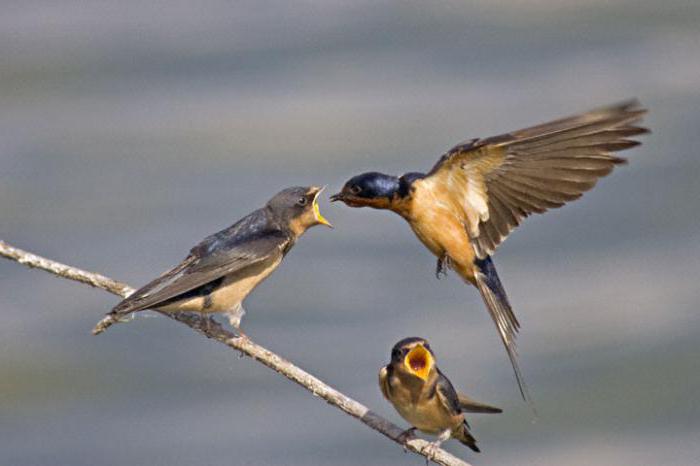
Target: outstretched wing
[
  {"x": 245, "y": 244},
  {"x": 496, "y": 182}
]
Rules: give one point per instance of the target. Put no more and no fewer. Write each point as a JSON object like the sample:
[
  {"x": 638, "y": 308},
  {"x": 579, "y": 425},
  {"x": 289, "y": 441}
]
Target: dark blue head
[{"x": 369, "y": 190}]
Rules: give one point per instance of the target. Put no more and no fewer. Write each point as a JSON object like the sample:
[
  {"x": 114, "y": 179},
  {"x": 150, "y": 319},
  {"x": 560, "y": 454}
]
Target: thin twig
[{"x": 216, "y": 332}]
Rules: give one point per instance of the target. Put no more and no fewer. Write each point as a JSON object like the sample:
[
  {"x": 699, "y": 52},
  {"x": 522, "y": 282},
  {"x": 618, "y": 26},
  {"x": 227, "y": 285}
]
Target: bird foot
[
  {"x": 431, "y": 450},
  {"x": 239, "y": 331},
  {"x": 405, "y": 436},
  {"x": 242, "y": 336},
  {"x": 235, "y": 316},
  {"x": 208, "y": 321},
  {"x": 442, "y": 264}
]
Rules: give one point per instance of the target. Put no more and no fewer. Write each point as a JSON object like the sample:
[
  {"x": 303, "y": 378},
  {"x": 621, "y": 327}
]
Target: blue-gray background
[{"x": 130, "y": 130}]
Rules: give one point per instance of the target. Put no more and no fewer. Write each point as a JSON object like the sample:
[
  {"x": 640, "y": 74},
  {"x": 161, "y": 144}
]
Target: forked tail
[{"x": 496, "y": 300}]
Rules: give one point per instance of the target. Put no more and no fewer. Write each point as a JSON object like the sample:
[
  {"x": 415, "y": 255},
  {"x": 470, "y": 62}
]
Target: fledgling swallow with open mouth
[
  {"x": 424, "y": 397},
  {"x": 479, "y": 191},
  {"x": 220, "y": 272}
]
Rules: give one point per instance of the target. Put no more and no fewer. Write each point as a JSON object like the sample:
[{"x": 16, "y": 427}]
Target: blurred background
[{"x": 131, "y": 130}]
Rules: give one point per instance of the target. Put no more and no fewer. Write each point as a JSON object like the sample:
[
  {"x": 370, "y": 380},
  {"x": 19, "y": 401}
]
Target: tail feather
[
  {"x": 109, "y": 320},
  {"x": 465, "y": 437},
  {"x": 115, "y": 316},
  {"x": 496, "y": 300}
]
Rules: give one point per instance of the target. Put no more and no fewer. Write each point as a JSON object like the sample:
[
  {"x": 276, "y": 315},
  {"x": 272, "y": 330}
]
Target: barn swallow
[
  {"x": 424, "y": 397},
  {"x": 479, "y": 191},
  {"x": 220, "y": 272}
]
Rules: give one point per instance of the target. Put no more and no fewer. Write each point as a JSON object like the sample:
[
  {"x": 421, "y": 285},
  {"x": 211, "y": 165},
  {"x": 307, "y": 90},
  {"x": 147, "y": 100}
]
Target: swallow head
[
  {"x": 371, "y": 189},
  {"x": 298, "y": 208},
  {"x": 413, "y": 356}
]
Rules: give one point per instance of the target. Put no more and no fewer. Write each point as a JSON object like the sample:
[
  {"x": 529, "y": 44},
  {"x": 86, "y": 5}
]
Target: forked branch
[{"x": 214, "y": 331}]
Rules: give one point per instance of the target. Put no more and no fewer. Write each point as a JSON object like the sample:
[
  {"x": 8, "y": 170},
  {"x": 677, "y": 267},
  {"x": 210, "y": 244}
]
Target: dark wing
[
  {"x": 496, "y": 182},
  {"x": 447, "y": 395},
  {"x": 469, "y": 405},
  {"x": 244, "y": 244},
  {"x": 194, "y": 272}
]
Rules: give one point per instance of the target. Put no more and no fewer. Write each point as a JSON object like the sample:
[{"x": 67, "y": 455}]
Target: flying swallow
[
  {"x": 424, "y": 397},
  {"x": 220, "y": 272},
  {"x": 479, "y": 191}
]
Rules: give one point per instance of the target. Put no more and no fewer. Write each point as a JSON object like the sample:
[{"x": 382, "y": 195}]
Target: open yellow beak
[
  {"x": 419, "y": 361},
  {"x": 317, "y": 212}
]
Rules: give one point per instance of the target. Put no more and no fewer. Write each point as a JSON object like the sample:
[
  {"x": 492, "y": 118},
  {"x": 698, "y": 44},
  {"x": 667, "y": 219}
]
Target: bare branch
[{"x": 214, "y": 331}]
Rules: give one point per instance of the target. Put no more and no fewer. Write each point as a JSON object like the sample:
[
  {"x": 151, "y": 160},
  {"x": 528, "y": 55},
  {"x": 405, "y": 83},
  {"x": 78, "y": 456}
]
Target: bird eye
[
  {"x": 404, "y": 351},
  {"x": 302, "y": 201},
  {"x": 395, "y": 354},
  {"x": 355, "y": 189}
]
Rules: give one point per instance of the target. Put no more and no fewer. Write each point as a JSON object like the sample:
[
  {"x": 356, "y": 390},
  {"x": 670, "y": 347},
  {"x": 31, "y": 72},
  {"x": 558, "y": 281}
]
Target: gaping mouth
[
  {"x": 317, "y": 212},
  {"x": 419, "y": 361}
]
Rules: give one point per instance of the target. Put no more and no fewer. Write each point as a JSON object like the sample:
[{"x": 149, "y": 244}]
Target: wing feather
[
  {"x": 494, "y": 183},
  {"x": 384, "y": 383},
  {"x": 243, "y": 245},
  {"x": 534, "y": 169},
  {"x": 470, "y": 405},
  {"x": 447, "y": 394}
]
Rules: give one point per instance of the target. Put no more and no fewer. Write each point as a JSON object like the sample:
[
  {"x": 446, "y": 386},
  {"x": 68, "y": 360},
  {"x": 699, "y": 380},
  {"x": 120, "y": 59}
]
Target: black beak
[{"x": 336, "y": 197}]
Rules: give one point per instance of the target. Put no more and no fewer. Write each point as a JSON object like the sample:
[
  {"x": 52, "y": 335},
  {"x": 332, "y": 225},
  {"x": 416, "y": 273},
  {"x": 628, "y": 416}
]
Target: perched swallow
[
  {"x": 222, "y": 270},
  {"x": 424, "y": 397},
  {"x": 479, "y": 191}
]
